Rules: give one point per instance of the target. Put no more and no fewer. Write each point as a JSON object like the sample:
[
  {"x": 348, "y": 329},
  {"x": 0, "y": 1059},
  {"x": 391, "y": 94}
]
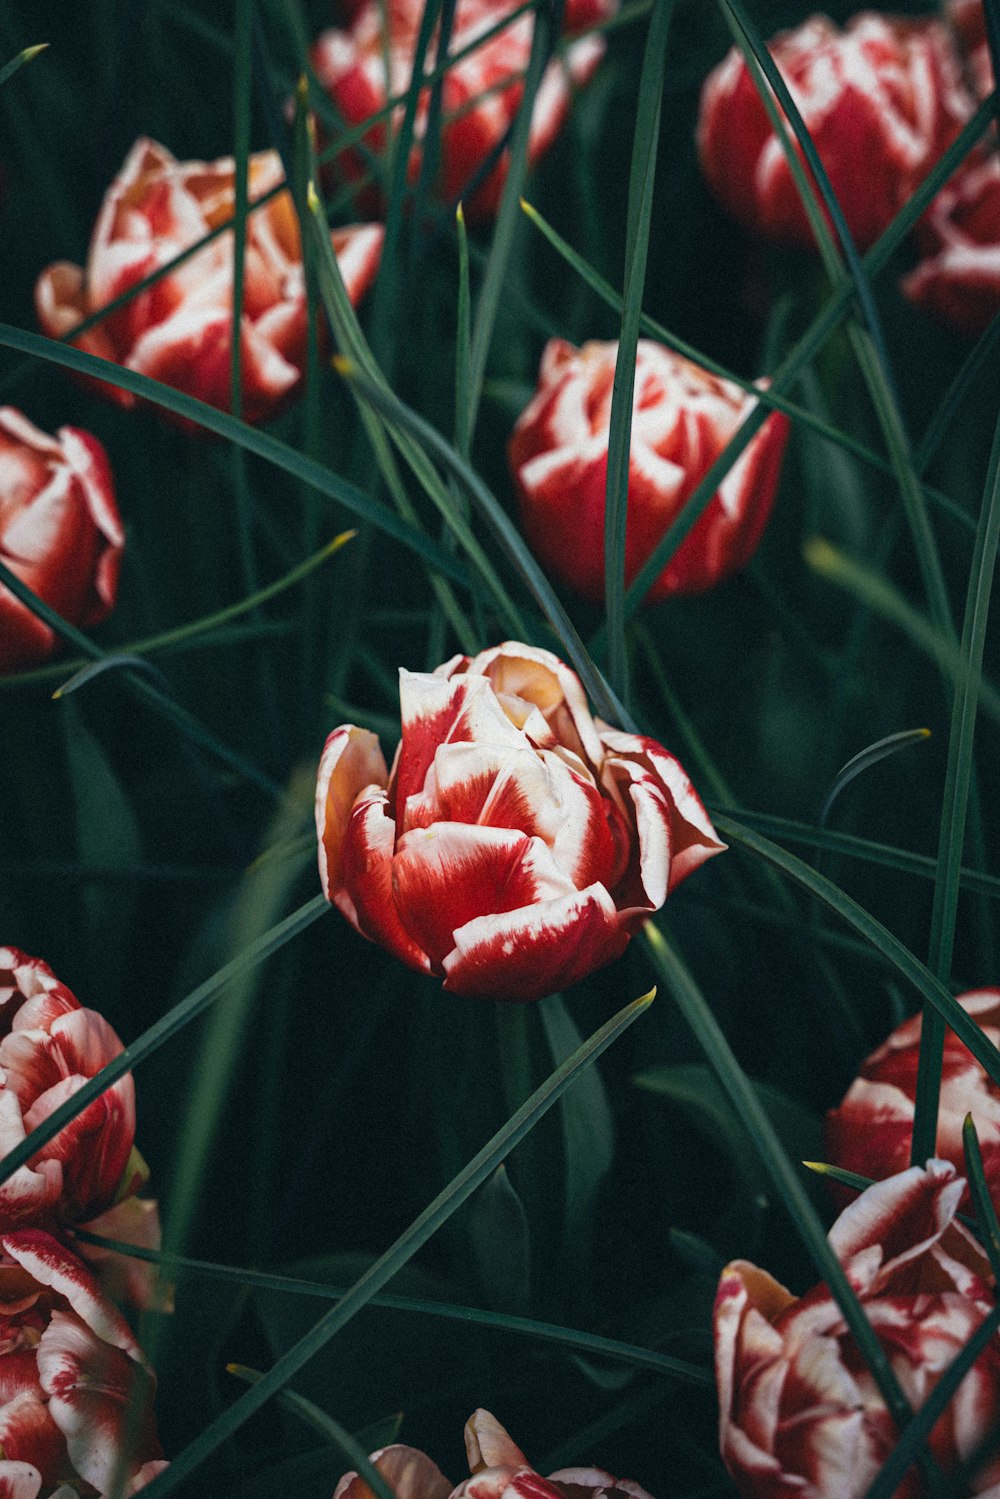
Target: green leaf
[
  {"x": 498, "y": 1230},
  {"x": 28, "y": 55},
  {"x": 405, "y": 1247},
  {"x": 864, "y": 760},
  {"x": 587, "y": 1124},
  {"x": 642, "y": 175}
]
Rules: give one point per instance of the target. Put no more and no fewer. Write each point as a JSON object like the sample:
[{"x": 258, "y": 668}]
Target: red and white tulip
[
  {"x": 179, "y": 330},
  {"x": 682, "y": 418},
  {"x": 517, "y": 843},
  {"x": 76, "y": 1392},
  {"x": 499, "y": 1470},
  {"x": 799, "y": 1411},
  {"x": 481, "y": 93},
  {"x": 870, "y": 1132},
  {"x": 882, "y": 99},
  {"x": 85, "y": 1177},
  {"x": 958, "y": 277},
  {"x": 60, "y": 533}
]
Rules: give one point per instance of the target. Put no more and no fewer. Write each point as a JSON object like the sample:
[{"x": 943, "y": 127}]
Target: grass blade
[
  {"x": 875, "y": 934},
  {"x": 546, "y": 1332},
  {"x": 152, "y": 1039},
  {"x": 864, "y": 760},
  {"x": 761, "y": 1133},
  {"x": 958, "y": 781},
  {"x": 406, "y": 1246},
  {"x": 9, "y": 69},
  {"x": 640, "y": 206}
]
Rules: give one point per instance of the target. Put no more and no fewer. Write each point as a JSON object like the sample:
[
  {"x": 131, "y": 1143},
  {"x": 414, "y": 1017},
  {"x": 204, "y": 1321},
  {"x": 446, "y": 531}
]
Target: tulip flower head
[
  {"x": 362, "y": 67},
  {"x": 499, "y": 1470},
  {"x": 517, "y": 843},
  {"x": 958, "y": 276},
  {"x": 682, "y": 418},
  {"x": 179, "y": 330},
  {"x": 882, "y": 100},
  {"x": 60, "y": 533},
  {"x": 76, "y": 1392},
  {"x": 87, "y": 1175},
  {"x": 870, "y": 1132},
  {"x": 799, "y": 1409}
]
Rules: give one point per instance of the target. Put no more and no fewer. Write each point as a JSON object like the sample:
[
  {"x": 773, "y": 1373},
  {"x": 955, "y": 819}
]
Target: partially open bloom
[
  {"x": 49, "y": 1046},
  {"x": 958, "y": 278},
  {"x": 799, "y": 1410},
  {"x": 682, "y": 418},
  {"x": 870, "y": 1132},
  {"x": 480, "y": 95},
  {"x": 882, "y": 100},
  {"x": 60, "y": 533},
  {"x": 518, "y": 843},
  {"x": 179, "y": 330},
  {"x": 499, "y": 1470},
  {"x": 76, "y": 1392}
]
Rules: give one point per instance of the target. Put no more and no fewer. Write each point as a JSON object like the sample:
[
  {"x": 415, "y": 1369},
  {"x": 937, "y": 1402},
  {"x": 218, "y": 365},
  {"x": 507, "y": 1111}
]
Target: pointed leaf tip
[
  {"x": 820, "y": 554},
  {"x": 344, "y": 366},
  {"x": 32, "y": 52},
  {"x": 459, "y": 212}
]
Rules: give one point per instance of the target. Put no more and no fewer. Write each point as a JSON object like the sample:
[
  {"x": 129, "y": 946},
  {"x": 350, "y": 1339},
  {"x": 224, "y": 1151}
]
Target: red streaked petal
[
  {"x": 122, "y": 1278},
  {"x": 528, "y": 953},
  {"x": 438, "y": 710},
  {"x": 535, "y": 793},
  {"x": 368, "y": 899},
  {"x": 352, "y": 760},
  {"x": 358, "y": 249},
  {"x": 447, "y": 875},
  {"x": 96, "y": 1395},
  {"x": 49, "y": 1263},
  {"x": 542, "y": 679},
  {"x": 20, "y": 1480},
  {"x": 29, "y": 1435}
]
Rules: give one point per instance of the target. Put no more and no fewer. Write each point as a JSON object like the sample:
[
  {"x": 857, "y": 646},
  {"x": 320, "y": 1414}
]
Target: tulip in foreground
[
  {"x": 481, "y": 93},
  {"x": 882, "y": 100},
  {"x": 870, "y": 1132},
  {"x": 499, "y": 1470},
  {"x": 179, "y": 330},
  {"x": 517, "y": 843},
  {"x": 76, "y": 1392},
  {"x": 86, "y": 1176},
  {"x": 682, "y": 418},
  {"x": 799, "y": 1411},
  {"x": 60, "y": 533}
]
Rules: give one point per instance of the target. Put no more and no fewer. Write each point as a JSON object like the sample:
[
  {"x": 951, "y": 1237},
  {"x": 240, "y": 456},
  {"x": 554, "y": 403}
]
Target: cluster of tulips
[{"x": 516, "y": 843}]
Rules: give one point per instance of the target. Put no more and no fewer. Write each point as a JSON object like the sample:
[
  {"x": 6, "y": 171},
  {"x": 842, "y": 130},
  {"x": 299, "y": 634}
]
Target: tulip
[
  {"x": 518, "y": 843},
  {"x": 682, "y": 418},
  {"x": 499, "y": 1469},
  {"x": 882, "y": 100},
  {"x": 870, "y": 1132},
  {"x": 179, "y": 330},
  {"x": 958, "y": 278},
  {"x": 86, "y": 1176},
  {"x": 76, "y": 1392},
  {"x": 60, "y": 533},
  {"x": 481, "y": 94},
  {"x": 799, "y": 1410},
  {"x": 969, "y": 21}
]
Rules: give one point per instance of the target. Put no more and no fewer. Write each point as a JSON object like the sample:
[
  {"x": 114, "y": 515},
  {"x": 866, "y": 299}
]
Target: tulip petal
[
  {"x": 351, "y": 762},
  {"x": 51, "y": 1265},
  {"x": 528, "y": 953},
  {"x": 20, "y": 1480},
  {"x": 409, "y": 1473},
  {"x": 368, "y": 895}
]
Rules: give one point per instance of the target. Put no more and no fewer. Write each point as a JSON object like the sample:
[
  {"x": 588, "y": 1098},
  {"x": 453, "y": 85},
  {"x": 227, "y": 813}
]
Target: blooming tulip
[
  {"x": 870, "y": 1132},
  {"x": 76, "y": 1392},
  {"x": 799, "y": 1410},
  {"x": 179, "y": 330},
  {"x": 481, "y": 93},
  {"x": 500, "y": 1470},
  {"x": 60, "y": 533},
  {"x": 49, "y": 1046},
  {"x": 882, "y": 100},
  {"x": 958, "y": 279},
  {"x": 518, "y": 843},
  {"x": 682, "y": 418}
]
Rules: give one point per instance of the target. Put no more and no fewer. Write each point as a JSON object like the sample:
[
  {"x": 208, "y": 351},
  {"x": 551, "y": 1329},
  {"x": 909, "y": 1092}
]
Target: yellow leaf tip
[{"x": 343, "y": 365}]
